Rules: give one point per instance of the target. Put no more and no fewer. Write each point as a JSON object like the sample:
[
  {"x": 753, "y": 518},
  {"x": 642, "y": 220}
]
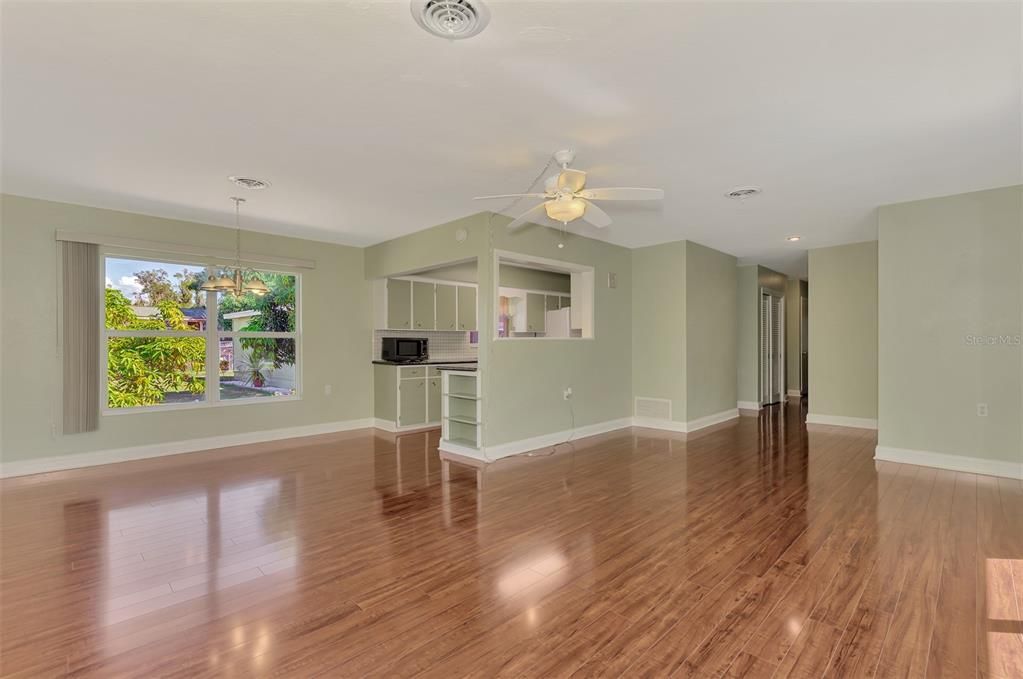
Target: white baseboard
[
  {"x": 99, "y": 457},
  {"x": 686, "y": 427},
  {"x": 710, "y": 420},
  {"x": 388, "y": 426},
  {"x": 548, "y": 440},
  {"x": 840, "y": 421},
  {"x": 958, "y": 463},
  {"x": 795, "y": 393},
  {"x": 658, "y": 423},
  {"x": 748, "y": 405}
]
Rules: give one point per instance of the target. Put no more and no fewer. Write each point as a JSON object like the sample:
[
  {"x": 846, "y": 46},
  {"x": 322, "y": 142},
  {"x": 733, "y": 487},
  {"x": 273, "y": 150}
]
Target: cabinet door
[
  {"x": 566, "y": 302},
  {"x": 536, "y": 321},
  {"x": 412, "y": 397},
  {"x": 466, "y": 308},
  {"x": 399, "y": 304},
  {"x": 553, "y": 302},
  {"x": 433, "y": 399},
  {"x": 446, "y": 307},
  {"x": 422, "y": 306}
]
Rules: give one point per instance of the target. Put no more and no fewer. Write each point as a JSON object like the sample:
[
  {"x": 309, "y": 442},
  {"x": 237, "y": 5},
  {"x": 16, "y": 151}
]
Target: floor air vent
[{"x": 654, "y": 408}]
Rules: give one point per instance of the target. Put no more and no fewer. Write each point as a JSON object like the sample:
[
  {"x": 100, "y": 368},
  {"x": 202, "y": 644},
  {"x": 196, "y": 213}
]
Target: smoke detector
[
  {"x": 451, "y": 19},
  {"x": 743, "y": 192},
  {"x": 249, "y": 183}
]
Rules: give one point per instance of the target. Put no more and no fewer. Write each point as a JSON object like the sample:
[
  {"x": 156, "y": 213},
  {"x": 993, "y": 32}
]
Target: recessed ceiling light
[
  {"x": 249, "y": 182},
  {"x": 792, "y": 239},
  {"x": 743, "y": 192},
  {"x": 451, "y": 19}
]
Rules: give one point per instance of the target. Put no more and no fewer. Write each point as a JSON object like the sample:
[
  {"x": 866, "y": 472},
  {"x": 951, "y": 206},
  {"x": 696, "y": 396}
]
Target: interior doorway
[
  {"x": 772, "y": 347},
  {"x": 804, "y": 355}
]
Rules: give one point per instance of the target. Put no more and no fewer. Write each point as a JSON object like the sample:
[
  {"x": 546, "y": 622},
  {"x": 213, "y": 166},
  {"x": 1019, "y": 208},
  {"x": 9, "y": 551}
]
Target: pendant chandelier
[{"x": 235, "y": 282}]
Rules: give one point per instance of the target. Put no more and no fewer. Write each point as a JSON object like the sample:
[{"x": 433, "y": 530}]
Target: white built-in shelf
[
  {"x": 461, "y": 411},
  {"x": 466, "y": 397},
  {"x": 463, "y": 420}
]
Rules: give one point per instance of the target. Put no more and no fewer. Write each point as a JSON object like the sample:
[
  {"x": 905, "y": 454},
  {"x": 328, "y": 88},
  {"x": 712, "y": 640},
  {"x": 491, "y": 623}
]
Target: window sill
[{"x": 116, "y": 412}]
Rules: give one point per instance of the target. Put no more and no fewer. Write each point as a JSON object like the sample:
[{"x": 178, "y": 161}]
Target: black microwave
[{"x": 404, "y": 349}]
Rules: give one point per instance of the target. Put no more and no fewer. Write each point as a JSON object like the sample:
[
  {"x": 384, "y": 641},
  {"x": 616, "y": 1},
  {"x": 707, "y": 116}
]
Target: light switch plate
[{"x": 612, "y": 280}]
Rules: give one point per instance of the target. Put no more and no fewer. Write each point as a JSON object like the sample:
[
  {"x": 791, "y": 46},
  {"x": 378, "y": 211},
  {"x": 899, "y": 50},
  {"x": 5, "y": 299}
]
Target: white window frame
[{"x": 212, "y": 335}]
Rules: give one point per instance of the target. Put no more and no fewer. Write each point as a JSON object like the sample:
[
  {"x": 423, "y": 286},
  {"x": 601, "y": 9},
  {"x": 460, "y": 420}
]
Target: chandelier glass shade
[{"x": 239, "y": 281}]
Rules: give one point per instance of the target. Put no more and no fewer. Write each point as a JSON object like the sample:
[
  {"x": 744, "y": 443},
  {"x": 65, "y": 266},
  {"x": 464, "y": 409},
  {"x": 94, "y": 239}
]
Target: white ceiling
[{"x": 369, "y": 128}]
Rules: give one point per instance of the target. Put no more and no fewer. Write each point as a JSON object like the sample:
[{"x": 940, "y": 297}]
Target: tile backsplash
[{"x": 444, "y": 344}]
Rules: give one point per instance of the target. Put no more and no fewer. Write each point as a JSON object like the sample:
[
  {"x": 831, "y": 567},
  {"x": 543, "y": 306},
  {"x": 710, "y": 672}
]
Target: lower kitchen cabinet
[
  {"x": 433, "y": 399},
  {"x": 411, "y": 402},
  {"x": 407, "y": 397}
]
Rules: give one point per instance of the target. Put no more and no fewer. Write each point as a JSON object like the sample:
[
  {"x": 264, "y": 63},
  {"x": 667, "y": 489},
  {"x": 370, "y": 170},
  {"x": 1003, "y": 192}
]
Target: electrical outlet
[
  {"x": 982, "y": 410},
  {"x": 327, "y": 390},
  {"x": 567, "y": 394}
]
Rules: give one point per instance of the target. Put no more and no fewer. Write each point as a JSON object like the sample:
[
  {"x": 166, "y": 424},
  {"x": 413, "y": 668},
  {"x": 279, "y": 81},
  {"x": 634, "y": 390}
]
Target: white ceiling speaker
[
  {"x": 451, "y": 19},
  {"x": 566, "y": 197}
]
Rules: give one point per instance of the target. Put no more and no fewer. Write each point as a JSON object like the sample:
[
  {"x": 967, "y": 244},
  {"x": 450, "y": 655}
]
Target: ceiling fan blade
[
  {"x": 594, "y": 215},
  {"x": 512, "y": 195},
  {"x": 622, "y": 194},
  {"x": 528, "y": 216},
  {"x": 572, "y": 180}
]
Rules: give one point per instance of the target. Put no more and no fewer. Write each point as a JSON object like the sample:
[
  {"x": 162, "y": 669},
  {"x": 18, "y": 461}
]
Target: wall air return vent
[{"x": 653, "y": 408}]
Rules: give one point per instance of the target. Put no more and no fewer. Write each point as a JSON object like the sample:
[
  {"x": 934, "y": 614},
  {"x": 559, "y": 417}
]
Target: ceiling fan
[{"x": 566, "y": 197}]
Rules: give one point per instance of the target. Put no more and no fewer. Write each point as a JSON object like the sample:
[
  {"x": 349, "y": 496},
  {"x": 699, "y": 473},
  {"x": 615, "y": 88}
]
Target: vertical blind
[{"x": 80, "y": 332}]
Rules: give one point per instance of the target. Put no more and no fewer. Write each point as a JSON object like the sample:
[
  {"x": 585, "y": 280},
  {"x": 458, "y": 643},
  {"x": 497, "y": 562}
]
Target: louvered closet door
[
  {"x": 765, "y": 349},
  {"x": 776, "y": 349}
]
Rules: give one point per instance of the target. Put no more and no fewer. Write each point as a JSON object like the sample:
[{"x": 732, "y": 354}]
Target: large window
[{"x": 168, "y": 344}]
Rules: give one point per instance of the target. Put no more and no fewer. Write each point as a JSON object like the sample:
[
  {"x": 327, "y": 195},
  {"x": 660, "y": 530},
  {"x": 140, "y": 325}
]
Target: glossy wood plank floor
[{"x": 756, "y": 550}]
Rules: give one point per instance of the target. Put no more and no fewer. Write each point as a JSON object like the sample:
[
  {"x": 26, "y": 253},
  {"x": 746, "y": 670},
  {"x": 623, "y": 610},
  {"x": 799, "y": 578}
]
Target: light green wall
[
  {"x": 684, "y": 328},
  {"x": 523, "y": 403},
  {"x": 771, "y": 279},
  {"x": 747, "y": 311},
  {"x": 428, "y": 249},
  {"x": 464, "y": 272},
  {"x": 534, "y": 279},
  {"x": 950, "y": 268},
  {"x": 659, "y": 324},
  {"x": 843, "y": 331},
  {"x": 335, "y": 346},
  {"x": 711, "y": 331}
]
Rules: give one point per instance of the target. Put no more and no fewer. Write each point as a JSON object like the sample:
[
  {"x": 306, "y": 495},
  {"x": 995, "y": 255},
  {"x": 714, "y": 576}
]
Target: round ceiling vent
[
  {"x": 451, "y": 19},
  {"x": 250, "y": 183},
  {"x": 743, "y": 192}
]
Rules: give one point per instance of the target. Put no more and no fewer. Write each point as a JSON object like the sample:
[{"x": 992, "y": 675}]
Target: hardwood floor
[{"x": 756, "y": 550}]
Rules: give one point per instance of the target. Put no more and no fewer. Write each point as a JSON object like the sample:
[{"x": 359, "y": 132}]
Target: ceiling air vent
[
  {"x": 250, "y": 183},
  {"x": 451, "y": 19},
  {"x": 743, "y": 192}
]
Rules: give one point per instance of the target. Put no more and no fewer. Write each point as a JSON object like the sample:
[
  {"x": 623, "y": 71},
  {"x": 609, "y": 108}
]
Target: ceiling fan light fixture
[{"x": 565, "y": 210}]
